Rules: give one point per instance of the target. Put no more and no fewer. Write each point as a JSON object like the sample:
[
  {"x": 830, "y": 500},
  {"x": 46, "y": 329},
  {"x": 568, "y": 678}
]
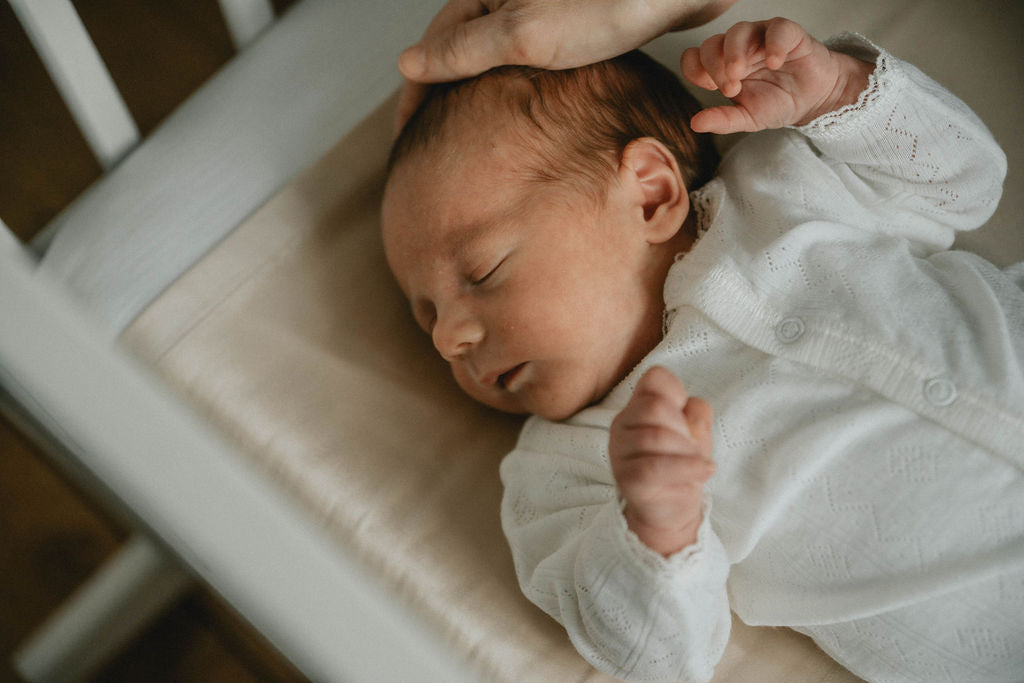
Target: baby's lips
[
  {"x": 505, "y": 378},
  {"x": 491, "y": 379}
]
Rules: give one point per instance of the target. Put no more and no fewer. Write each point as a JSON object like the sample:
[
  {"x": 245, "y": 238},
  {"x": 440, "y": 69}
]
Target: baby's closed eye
[{"x": 484, "y": 273}]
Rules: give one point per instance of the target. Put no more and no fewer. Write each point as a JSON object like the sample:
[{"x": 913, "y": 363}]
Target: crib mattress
[{"x": 292, "y": 338}]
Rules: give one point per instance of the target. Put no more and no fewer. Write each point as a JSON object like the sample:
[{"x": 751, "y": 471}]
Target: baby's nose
[{"x": 456, "y": 333}]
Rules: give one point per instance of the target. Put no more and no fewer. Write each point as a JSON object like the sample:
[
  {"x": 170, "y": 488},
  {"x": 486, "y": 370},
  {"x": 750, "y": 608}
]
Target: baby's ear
[{"x": 651, "y": 172}]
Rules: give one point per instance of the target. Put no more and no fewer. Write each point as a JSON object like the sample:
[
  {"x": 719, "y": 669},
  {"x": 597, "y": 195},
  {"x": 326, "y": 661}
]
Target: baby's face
[{"x": 534, "y": 293}]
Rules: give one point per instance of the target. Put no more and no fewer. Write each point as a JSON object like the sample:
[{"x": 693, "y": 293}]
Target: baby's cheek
[
  {"x": 465, "y": 383},
  {"x": 540, "y": 320}
]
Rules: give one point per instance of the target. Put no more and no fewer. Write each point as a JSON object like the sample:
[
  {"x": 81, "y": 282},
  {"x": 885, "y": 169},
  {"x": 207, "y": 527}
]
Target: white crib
[
  {"x": 220, "y": 156},
  {"x": 338, "y": 490}
]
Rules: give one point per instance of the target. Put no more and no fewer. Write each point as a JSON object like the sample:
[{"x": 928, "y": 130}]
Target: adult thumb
[{"x": 459, "y": 51}]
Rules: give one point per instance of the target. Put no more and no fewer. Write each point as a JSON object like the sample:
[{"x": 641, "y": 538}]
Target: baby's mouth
[{"x": 509, "y": 375}]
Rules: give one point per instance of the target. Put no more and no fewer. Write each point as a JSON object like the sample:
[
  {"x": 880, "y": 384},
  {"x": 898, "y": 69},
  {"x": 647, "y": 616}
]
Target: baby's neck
[{"x": 650, "y": 333}]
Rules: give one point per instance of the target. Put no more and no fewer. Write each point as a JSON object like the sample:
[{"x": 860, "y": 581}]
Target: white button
[
  {"x": 789, "y": 330},
  {"x": 939, "y": 391}
]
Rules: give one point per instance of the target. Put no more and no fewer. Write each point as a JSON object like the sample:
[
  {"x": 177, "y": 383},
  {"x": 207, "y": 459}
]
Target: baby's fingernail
[{"x": 413, "y": 62}]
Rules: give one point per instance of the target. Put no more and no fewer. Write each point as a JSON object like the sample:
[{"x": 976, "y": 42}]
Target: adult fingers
[
  {"x": 409, "y": 98},
  {"x": 454, "y": 12},
  {"x": 464, "y": 40}
]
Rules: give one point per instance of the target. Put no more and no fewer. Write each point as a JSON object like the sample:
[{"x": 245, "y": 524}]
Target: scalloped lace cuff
[{"x": 880, "y": 89}]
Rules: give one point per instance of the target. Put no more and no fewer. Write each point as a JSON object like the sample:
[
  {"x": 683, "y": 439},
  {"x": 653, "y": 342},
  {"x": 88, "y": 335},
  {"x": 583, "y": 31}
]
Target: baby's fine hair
[{"x": 585, "y": 116}]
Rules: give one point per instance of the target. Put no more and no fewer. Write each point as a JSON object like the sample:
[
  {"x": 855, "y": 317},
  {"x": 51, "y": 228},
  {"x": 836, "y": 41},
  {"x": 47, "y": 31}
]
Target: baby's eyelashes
[{"x": 476, "y": 280}]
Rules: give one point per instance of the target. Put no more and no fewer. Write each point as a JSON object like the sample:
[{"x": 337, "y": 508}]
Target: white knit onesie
[{"x": 869, "y": 415}]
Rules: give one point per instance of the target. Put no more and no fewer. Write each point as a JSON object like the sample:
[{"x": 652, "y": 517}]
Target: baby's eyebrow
[
  {"x": 461, "y": 241},
  {"x": 463, "y": 238}
]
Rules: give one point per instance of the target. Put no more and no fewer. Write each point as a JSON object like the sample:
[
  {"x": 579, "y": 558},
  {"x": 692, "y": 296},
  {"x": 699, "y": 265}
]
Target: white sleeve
[
  {"x": 629, "y": 611},
  {"x": 917, "y": 157}
]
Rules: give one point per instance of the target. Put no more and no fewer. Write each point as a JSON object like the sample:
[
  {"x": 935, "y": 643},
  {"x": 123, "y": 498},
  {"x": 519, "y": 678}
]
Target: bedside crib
[{"x": 338, "y": 490}]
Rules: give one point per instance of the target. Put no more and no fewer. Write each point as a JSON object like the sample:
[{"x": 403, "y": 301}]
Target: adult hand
[{"x": 468, "y": 37}]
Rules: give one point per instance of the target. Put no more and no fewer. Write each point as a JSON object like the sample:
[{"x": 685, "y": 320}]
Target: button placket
[
  {"x": 790, "y": 329},
  {"x": 940, "y": 391}
]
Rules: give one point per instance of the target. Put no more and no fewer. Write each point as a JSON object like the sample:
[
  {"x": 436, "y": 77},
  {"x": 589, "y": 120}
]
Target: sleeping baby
[{"x": 577, "y": 253}]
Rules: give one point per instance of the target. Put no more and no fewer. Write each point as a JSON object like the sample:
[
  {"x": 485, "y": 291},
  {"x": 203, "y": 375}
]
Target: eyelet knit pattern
[{"x": 869, "y": 398}]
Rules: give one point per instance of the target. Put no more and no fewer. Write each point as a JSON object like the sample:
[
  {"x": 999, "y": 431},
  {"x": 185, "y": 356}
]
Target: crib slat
[
  {"x": 73, "y": 62},
  {"x": 246, "y": 19}
]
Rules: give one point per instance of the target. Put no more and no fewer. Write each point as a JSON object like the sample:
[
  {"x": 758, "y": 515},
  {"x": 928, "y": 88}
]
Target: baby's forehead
[{"x": 495, "y": 144}]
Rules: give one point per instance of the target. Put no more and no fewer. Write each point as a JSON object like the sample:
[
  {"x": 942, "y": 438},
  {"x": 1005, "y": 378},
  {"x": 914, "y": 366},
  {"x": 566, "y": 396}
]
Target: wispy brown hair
[{"x": 585, "y": 116}]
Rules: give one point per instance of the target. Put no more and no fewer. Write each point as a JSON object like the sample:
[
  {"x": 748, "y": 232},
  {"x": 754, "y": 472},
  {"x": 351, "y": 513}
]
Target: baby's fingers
[
  {"x": 724, "y": 60},
  {"x": 724, "y": 120},
  {"x": 712, "y": 57},
  {"x": 781, "y": 37},
  {"x": 698, "y": 418},
  {"x": 648, "y": 478},
  {"x": 742, "y": 42},
  {"x": 694, "y": 71},
  {"x": 659, "y": 420},
  {"x": 637, "y": 441}
]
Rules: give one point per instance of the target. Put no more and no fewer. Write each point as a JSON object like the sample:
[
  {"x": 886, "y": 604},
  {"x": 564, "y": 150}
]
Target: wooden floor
[{"x": 51, "y": 538}]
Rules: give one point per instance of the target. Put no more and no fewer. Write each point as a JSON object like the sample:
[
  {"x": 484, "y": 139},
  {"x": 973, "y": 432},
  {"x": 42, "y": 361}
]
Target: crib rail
[
  {"x": 85, "y": 84},
  {"x": 219, "y": 517}
]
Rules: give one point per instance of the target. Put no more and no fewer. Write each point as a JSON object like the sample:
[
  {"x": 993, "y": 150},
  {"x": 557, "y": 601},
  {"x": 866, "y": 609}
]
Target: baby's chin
[
  {"x": 556, "y": 411},
  {"x": 558, "y": 414},
  {"x": 549, "y": 407},
  {"x": 552, "y": 397}
]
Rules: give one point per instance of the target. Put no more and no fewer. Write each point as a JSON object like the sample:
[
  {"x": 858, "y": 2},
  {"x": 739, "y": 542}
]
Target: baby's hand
[
  {"x": 660, "y": 450},
  {"x": 775, "y": 74}
]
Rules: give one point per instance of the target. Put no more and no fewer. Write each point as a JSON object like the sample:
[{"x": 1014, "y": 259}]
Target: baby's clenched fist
[{"x": 660, "y": 450}]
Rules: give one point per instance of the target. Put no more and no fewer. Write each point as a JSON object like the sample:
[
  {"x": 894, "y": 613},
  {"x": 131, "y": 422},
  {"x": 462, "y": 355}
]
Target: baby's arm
[
  {"x": 628, "y": 609},
  {"x": 910, "y": 158},
  {"x": 776, "y": 75},
  {"x": 660, "y": 452}
]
